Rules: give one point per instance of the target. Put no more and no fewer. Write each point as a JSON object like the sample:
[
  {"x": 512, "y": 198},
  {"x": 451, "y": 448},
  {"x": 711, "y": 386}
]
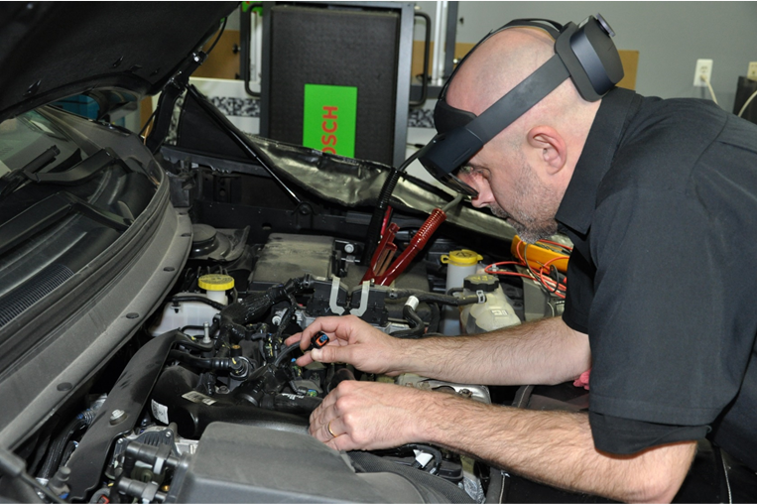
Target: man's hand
[
  {"x": 352, "y": 341},
  {"x": 368, "y": 416}
]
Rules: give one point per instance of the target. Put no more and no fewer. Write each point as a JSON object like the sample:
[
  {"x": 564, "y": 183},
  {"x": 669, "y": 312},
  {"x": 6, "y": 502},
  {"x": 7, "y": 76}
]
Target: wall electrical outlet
[
  {"x": 752, "y": 72},
  {"x": 703, "y": 69}
]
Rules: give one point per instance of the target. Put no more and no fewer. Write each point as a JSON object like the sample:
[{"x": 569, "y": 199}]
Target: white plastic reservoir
[
  {"x": 460, "y": 264},
  {"x": 179, "y": 314},
  {"x": 495, "y": 313}
]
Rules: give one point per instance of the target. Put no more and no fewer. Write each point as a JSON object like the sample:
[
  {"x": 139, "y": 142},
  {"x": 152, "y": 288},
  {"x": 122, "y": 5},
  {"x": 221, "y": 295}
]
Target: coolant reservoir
[
  {"x": 191, "y": 314},
  {"x": 495, "y": 313}
]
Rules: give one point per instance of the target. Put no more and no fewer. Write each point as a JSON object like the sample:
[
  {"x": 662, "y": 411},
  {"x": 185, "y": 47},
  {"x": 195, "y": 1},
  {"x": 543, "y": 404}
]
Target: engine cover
[{"x": 236, "y": 463}]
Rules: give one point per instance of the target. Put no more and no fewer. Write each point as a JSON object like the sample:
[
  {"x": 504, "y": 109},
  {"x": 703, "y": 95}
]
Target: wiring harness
[{"x": 546, "y": 267}]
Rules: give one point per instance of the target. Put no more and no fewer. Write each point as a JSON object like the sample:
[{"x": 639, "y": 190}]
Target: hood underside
[{"x": 51, "y": 50}]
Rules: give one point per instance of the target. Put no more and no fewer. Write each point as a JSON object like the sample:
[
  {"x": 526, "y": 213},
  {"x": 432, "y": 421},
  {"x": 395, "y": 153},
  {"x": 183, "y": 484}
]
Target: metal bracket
[
  {"x": 333, "y": 306},
  {"x": 363, "y": 299}
]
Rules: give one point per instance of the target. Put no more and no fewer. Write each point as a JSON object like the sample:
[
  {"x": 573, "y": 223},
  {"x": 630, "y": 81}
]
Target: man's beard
[
  {"x": 530, "y": 228},
  {"x": 529, "y": 233}
]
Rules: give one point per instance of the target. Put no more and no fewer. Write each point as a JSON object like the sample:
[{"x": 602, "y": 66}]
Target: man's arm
[
  {"x": 552, "y": 447},
  {"x": 542, "y": 352}
]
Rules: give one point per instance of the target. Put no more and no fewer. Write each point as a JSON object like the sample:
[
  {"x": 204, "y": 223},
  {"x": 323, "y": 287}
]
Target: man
[{"x": 656, "y": 196}]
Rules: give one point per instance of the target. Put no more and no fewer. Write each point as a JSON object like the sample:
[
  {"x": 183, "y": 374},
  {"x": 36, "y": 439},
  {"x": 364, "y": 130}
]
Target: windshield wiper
[
  {"x": 80, "y": 172},
  {"x": 14, "y": 179}
]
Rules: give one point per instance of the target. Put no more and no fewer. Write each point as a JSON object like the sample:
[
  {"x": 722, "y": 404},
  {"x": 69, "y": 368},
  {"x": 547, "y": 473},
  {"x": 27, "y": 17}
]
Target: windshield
[
  {"x": 67, "y": 193},
  {"x": 23, "y": 138}
]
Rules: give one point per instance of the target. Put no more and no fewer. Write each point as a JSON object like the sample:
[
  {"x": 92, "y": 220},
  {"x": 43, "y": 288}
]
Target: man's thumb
[
  {"x": 317, "y": 354},
  {"x": 330, "y": 353}
]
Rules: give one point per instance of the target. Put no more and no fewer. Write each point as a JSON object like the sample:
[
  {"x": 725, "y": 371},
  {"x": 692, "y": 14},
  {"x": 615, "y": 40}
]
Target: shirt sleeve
[
  {"x": 580, "y": 292},
  {"x": 625, "y": 437}
]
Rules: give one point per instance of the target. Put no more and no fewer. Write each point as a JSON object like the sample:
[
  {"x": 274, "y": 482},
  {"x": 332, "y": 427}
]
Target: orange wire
[
  {"x": 556, "y": 244},
  {"x": 551, "y": 285}
]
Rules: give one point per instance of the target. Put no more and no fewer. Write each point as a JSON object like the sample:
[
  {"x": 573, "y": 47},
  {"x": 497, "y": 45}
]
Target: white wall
[{"x": 669, "y": 36}]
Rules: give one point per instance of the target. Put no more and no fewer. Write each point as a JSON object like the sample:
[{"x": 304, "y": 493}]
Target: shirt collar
[{"x": 577, "y": 207}]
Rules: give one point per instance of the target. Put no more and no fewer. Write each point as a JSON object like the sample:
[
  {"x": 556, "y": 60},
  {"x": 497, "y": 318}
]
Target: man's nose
[{"x": 485, "y": 196}]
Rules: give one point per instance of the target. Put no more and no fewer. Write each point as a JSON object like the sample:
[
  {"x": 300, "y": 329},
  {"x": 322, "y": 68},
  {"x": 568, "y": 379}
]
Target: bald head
[
  {"x": 498, "y": 65},
  {"x": 502, "y": 62}
]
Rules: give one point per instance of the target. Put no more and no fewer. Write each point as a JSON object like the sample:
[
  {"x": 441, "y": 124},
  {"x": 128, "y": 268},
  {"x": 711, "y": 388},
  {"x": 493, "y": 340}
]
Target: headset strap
[
  {"x": 519, "y": 100},
  {"x": 553, "y": 28}
]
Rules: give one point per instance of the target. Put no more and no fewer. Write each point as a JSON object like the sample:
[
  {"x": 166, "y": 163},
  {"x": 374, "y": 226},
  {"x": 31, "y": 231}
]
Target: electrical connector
[{"x": 318, "y": 340}]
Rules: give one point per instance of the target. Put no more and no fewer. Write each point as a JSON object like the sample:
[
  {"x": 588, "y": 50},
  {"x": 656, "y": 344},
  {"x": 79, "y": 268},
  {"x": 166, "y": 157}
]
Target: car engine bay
[{"x": 223, "y": 376}]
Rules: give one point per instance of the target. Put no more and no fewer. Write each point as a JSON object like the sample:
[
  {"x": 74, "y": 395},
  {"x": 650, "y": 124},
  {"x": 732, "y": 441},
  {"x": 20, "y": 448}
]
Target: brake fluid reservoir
[
  {"x": 190, "y": 313},
  {"x": 215, "y": 287},
  {"x": 495, "y": 313},
  {"x": 460, "y": 264}
]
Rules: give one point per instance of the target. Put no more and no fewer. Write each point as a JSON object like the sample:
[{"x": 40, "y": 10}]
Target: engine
[{"x": 213, "y": 401}]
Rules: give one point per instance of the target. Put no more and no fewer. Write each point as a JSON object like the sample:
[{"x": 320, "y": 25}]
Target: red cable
[
  {"x": 387, "y": 218},
  {"x": 551, "y": 285},
  {"x": 416, "y": 245},
  {"x": 558, "y": 285},
  {"x": 564, "y": 247}
]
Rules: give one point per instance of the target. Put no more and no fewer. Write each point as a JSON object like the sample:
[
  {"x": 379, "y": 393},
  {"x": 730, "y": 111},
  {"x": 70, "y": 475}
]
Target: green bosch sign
[{"x": 329, "y": 119}]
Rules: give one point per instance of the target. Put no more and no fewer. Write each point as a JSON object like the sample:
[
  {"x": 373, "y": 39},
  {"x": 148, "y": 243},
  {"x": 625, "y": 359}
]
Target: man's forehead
[
  {"x": 498, "y": 64},
  {"x": 460, "y": 93}
]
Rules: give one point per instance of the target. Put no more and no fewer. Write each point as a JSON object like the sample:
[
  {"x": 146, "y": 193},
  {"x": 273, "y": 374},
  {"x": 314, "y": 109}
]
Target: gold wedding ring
[{"x": 328, "y": 428}]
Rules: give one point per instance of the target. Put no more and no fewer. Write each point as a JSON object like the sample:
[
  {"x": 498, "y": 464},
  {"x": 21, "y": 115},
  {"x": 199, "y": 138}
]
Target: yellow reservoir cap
[
  {"x": 462, "y": 258},
  {"x": 215, "y": 282}
]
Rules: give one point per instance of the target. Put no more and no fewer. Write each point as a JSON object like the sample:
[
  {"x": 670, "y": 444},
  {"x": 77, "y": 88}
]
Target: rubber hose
[
  {"x": 59, "y": 445},
  {"x": 416, "y": 324},
  {"x": 432, "y": 297},
  {"x": 199, "y": 299},
  {"x": 340, "y": 375},
  {"x": 201, "y": 362}
]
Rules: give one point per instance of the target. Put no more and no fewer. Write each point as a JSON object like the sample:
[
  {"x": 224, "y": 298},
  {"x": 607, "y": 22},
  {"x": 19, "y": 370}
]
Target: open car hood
[
  {"x": 353, "y": 183},
  {"x": 114, "y": 51}
]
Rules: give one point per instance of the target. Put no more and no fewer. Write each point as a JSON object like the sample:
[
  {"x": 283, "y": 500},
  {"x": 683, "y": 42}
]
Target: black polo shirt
[{"x": 662, "y": 211}]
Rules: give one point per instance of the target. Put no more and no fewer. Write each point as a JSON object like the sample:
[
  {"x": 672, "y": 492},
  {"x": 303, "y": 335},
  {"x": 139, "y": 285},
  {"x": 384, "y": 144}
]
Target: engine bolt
[{"x": 118, "y": 415}]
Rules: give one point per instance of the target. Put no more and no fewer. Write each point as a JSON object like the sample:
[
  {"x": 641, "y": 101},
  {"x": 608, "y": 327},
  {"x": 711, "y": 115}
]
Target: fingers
[
  {"x": 334, "y": 327},
  {"x": 324, "y": 412},
  {"x": 329, "y": 353},
  {"x": 305, "y": 336},
  {"x": 341, "y": 331},
  {"x": 305, "y": 339},
  {"x": 293, "y": 339},
  {"x": 340, "y": 440},
  {"x": 327, "y": 426},
  {"x": 366, "y": 416},
  {"x": 333, "y": 353}
]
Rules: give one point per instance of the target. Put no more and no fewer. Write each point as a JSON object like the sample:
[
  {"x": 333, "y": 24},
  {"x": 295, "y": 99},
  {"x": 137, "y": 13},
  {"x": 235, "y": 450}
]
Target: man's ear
[{"x": 549, "y": 146}]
